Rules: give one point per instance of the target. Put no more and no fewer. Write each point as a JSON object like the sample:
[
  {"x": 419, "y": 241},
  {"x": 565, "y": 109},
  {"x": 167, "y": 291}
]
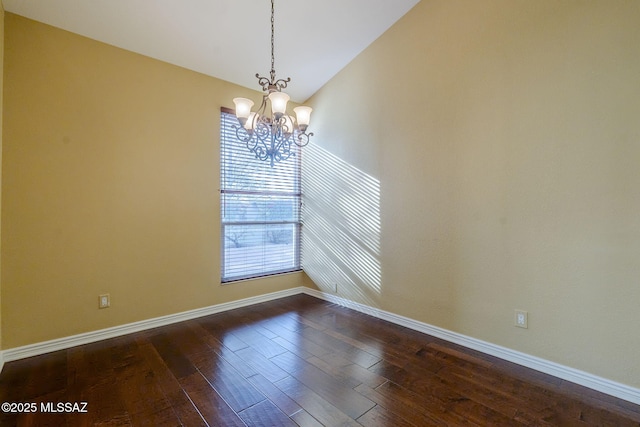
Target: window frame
[{"x": 296, "y": 223}]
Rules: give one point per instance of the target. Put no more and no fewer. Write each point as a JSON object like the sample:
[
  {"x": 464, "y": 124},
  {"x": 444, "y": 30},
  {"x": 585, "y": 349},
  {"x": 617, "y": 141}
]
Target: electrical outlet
[
  {"x": 522, "y": 319},
  {"x": 104, "y": 301}
]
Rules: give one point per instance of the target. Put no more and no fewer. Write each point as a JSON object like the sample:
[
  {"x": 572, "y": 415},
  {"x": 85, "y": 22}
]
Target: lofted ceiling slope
[{"x": 230, "y": 39}]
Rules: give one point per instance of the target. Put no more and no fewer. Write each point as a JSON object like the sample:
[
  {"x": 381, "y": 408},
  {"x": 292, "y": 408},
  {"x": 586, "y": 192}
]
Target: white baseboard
[
  {"x": 594, "y": 382},
  {"x": 116, "y": 331},
  {"x": 586, "y": 379}
]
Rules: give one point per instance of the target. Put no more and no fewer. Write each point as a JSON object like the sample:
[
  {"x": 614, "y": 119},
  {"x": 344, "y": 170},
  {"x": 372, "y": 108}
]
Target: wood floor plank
[
  {"x": 379, "y": 416},
  {"x": 183, "y": 336},
  {"x": 243, "y": 368},
  {"x": 340, "y": 347},
  {"x": 510, "y": 406},
  {"x": 53, "y": 418},
  {"x": 409, "y": 407},
  {"x": 597, "y": 400},
  {"x": 172, "y": 355},
  {"x": 281, "y": 400},
  {"x": 217, "y": 327},
  {"x": 437, "y": 397},
  {"x": 228, "y": 382},
  {"x": 489, "y": 384},
  {"x": 284, "y": 321},
  {"x": 30, "y": 378},
  {"x": 211, "y": 341},
  {"x": 333, "y": 390},
  {"x": 304, "y": 419},
  {"x": 258, "y": 342},
  {"x": 261, "y": 364},
  {"x": 170, "y": 386},
  {"x": 92, "y": 379},
  {"x": 212, "y": 407},
  {"x": 568, "y": 411},
  {"x": 140, "y": 393},
  {"x": 349, "y": 372},
  {"x": 314, "y": 404},
  {"x": 296, "y": 361},
  {"x": 285, "y": 327},
  {"x": 265, "y": 414},
  {"x": 301, "y": 346},
  {"x": 445, "y": 351}
]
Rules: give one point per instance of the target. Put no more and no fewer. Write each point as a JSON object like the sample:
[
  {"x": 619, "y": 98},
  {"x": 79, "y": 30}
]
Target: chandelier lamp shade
[{"x": 270, "y": 131}]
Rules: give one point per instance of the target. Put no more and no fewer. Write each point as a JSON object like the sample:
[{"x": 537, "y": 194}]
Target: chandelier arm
[
  {"x": 278, "y": 142},
  {"x": 260, "y": 150},
  {"x": 259, "y": 146},
  {"x": 283, "y": 152},
  {"x": 303, "y": 139},
  {"x": 243, "y": 135},
  {"x": 281, "y": 84},
  {"x": 263, "y": 106},
  {"x": 289, "y": 126},
  {"x": 250, "y": 141},
  {"x": 264, "y": 82},
  {"x": 283, "y": 136}
]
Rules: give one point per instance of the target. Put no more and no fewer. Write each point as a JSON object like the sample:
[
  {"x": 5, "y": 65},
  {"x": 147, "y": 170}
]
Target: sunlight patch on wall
[{"x": 341, "y": 226}]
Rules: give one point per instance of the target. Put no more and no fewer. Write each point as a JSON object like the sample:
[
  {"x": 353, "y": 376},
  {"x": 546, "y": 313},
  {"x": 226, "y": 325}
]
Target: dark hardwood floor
[{"x": 294, "y": 361}]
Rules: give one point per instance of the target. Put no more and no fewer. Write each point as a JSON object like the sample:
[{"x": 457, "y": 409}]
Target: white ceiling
[{"x": 230, "y": 39}]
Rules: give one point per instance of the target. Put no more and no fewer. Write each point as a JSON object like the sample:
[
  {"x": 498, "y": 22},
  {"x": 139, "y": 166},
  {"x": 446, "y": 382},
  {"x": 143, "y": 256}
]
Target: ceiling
[{"x": 230, "y": 39}]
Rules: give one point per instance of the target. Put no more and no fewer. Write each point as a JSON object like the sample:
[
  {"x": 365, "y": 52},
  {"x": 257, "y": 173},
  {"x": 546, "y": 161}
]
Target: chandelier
[{"x": 270, "y": 130}]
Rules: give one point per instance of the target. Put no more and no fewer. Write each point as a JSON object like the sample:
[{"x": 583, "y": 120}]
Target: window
[{"x": 260, "y": 209}]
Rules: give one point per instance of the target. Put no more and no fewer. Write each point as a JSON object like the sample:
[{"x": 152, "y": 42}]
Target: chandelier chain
[{"x": 273, "y": 70}]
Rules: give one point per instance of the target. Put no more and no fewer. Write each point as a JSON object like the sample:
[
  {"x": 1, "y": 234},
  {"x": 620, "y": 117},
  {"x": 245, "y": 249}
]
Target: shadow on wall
[{"x": 341, "y": 227}]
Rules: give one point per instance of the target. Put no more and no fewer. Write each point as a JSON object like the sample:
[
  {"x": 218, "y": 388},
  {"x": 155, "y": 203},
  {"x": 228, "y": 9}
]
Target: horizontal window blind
[{"x": 260, "y": 209}]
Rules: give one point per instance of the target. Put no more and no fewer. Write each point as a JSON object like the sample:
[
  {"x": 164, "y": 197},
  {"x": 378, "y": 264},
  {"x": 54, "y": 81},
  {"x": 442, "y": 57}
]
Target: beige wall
[
  {"x": 110, "y": 185},
  {"x": 1, "y": 92},
  {"x": 482, "y": 157}
]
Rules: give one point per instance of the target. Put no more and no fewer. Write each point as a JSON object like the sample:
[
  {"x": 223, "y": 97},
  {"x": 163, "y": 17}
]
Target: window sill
[{"x": 264, "y": 276}]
